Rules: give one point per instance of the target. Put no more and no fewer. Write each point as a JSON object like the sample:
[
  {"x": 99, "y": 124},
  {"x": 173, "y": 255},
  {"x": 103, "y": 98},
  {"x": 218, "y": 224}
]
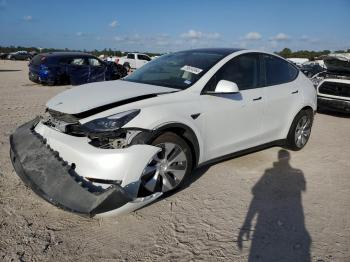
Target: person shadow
[{"x": 279, "y": 233}]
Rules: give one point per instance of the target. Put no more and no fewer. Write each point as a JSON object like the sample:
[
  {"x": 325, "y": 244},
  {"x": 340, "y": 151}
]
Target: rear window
[{"x": 131, "y": 56}]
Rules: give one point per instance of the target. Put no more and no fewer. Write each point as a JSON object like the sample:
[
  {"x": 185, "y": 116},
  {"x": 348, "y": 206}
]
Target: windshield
[{"x": 177, "y": 70}]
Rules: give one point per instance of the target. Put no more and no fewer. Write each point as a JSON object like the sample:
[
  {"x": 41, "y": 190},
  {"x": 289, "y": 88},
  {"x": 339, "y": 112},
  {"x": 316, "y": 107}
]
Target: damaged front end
[{"x": 78, "y": 173}]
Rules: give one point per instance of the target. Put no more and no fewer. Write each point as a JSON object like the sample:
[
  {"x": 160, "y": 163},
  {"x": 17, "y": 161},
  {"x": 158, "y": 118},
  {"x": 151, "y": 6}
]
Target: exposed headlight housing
[{"x": 110, "y": 123}]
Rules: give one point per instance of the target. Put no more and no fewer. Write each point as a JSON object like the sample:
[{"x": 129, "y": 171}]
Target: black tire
[
  {"x": 172, "y": 139},
  {"x": 292, "y": 141}
]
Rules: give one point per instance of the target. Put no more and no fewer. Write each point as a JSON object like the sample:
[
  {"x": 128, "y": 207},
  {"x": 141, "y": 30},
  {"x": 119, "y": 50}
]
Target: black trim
[
  {"x": 195, "y": 116},
  {"x": 333, "y": 104},
  {"x": 280, "y": 142},
  {"x": 100, "y": 109},
  {"x": 332, "y": 98}
]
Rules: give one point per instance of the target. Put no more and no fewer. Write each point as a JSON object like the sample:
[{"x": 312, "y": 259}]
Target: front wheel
[
  {"x": 169, "y": 168},
  {"x": 300, "y": 130}
]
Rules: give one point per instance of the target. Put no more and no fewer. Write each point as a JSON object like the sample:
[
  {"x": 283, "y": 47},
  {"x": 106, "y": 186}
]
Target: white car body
[
  {"x": 227, "y": 123},
  {"x": 134, "y": 60}
]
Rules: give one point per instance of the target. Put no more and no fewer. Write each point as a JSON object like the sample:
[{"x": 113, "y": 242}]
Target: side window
[
  {"x": 65, "y": 60},
  {"x": 278, "y": 71},
  {"x": 94, "y": 62},
  {"x": 78, "y": 61},
  {"x": 131, "y": 56},
  {"x": 144, "y": 57},
  {"x": 244, "y": 70}
]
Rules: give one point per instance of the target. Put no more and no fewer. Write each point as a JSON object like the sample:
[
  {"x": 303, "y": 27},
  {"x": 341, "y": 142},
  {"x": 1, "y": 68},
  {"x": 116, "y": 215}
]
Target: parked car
[
  {"x": 133, "y": 60},
  {"x": 3, "y": 55},
  {"x": 333, "y": 85},
  {"x": 334, "y": 95},
  {"x": 19, "y": 55},
  {"x": 72, "y": 68},
  {"x": 311, "y": 68},
  {"x": 112, "y": 147}
]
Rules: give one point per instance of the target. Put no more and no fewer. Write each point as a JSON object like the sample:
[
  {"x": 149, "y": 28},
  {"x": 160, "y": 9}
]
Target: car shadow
[{"x": 279, "y": 233}]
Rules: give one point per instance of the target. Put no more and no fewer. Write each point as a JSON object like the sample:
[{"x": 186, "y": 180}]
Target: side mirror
[{"x": 225, "y": 86}]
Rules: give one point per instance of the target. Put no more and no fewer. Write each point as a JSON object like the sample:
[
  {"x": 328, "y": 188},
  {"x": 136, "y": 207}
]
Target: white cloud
[
  {"x": 212, "y": 35},
  {"x": 27, "y": 18},
  {"x": 192, "y": 34},
  {"x": 114, "y": 23},
  {"x": 280, "y": 37},
  {"x": 197, "y": 35},
  {"x": 306, "y": 38},
  {"x": 252, "y": 36},
  {"x": 79, "y": 34}
]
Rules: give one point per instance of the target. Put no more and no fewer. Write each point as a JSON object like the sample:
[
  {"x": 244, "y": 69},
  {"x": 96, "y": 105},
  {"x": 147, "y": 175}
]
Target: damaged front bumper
[{"x": 52, "y": 164}]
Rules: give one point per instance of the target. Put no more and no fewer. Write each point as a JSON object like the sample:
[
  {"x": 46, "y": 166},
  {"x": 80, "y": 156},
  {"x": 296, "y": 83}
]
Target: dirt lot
[{"x": 295, "y": 209}]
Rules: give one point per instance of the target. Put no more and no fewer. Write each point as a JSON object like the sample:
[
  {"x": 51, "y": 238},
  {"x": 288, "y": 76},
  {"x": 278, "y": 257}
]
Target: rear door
[
  {"x": 78, "y": 70},
  {"x": 282, "y": 95},
  {"x": 97, "y": 70}
]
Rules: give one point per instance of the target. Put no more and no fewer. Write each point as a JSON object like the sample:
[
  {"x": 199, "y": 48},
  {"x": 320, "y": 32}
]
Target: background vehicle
[
  {"x": 311, "y": 68},
  {"x": 133, "y": 60},
  {"x": 298, "y": 61},
  {"x": 334, "y": 95},
  {"x": 136, "y": 139},
  {"x": 4, "y": 55},
  {"x": 72, "y": 68},
  {"x": 19, "y": 55}
]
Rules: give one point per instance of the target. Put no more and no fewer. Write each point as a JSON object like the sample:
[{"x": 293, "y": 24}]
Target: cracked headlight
[{"x": 110, "y": 123}]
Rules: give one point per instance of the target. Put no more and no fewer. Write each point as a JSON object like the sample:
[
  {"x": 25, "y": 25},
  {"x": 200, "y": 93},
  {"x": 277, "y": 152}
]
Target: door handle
[
  {"x": 258, "y": 98},
  {"x": 295, "y": 92}
]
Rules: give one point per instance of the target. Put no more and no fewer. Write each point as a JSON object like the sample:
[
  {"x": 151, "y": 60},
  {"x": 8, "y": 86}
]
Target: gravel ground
[{"x": 272, "y": 205}]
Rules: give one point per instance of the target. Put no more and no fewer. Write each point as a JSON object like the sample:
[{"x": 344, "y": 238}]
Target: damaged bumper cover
[{"x": 48, "y": 174}]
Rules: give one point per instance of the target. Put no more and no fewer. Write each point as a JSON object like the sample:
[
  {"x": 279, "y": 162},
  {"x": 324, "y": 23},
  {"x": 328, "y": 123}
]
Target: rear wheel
[
  {"x": 169, "y": 168},
  {"x": 300, "y": 130}
]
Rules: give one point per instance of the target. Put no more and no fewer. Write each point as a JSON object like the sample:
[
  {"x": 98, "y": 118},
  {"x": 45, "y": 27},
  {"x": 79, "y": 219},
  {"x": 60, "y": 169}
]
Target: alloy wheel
[
  {"x": 166, "y": 170},
  {"x": 302, "y": 131}
]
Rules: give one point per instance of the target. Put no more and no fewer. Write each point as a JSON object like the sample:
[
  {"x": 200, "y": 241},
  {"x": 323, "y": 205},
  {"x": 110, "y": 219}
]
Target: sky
[{"x": 171, "y": 25}]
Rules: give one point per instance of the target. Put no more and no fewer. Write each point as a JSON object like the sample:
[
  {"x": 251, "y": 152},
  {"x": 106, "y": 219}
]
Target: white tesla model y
[{"x": 111, "y": 147}]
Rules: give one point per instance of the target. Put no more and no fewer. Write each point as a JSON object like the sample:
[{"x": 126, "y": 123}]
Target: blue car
[{"x": 75, "y": 68}]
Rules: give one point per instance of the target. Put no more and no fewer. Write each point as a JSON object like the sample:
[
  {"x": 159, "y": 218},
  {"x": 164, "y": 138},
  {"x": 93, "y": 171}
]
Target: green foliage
[{"x": 311, "y": 55}]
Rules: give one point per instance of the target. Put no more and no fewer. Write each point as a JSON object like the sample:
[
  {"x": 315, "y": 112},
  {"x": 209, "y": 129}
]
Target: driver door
[{"x": 233, "y": 122}]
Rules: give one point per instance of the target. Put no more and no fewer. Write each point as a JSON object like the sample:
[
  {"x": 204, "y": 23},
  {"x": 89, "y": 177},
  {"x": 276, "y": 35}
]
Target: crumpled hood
[{"x": 89, "y": 96}]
